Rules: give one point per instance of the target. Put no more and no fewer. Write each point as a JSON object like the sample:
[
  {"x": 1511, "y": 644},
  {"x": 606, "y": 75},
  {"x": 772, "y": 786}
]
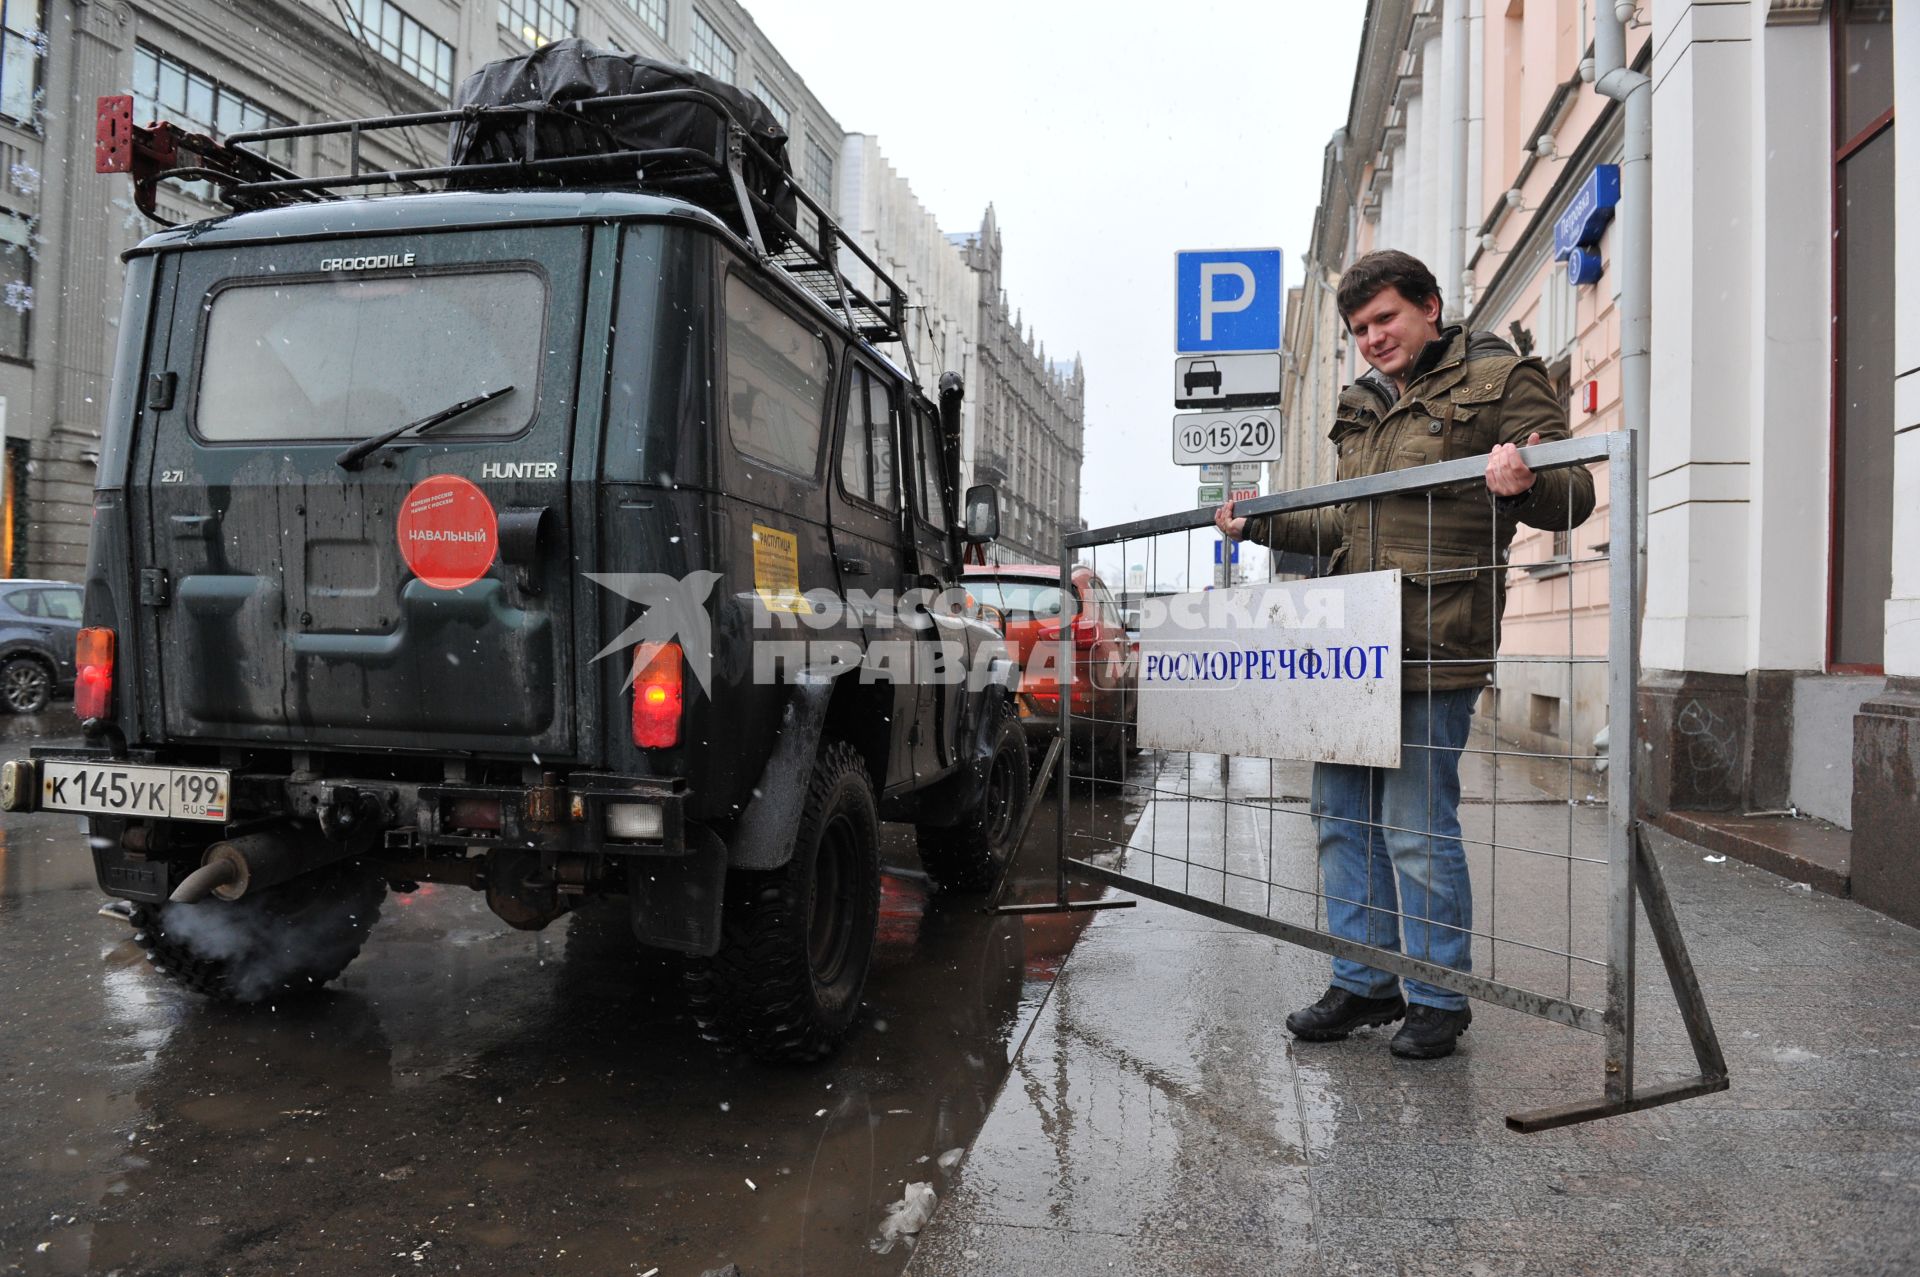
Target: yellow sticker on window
[{"x": 776, "y": 570}]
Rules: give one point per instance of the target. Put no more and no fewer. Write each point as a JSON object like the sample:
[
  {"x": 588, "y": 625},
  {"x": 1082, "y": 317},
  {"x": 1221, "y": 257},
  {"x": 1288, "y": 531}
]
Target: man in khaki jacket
[{"x": 1433, "y": 395}]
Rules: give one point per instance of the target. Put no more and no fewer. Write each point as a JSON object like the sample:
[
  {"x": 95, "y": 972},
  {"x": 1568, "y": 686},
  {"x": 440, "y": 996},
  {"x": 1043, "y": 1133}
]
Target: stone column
[
  {"x": 74, "y": 344},
  {"x": 1791, "y": 154},
  {"x": 1694, "y": 645}
]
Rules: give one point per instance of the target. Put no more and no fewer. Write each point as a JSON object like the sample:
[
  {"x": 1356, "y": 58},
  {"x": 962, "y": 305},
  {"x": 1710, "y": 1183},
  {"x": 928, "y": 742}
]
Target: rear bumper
[{"x": 584, "y": 813}]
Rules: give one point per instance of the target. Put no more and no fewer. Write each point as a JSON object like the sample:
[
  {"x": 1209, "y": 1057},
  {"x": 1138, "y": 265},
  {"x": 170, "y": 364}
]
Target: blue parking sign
[{"x": 1228, "y": 299}]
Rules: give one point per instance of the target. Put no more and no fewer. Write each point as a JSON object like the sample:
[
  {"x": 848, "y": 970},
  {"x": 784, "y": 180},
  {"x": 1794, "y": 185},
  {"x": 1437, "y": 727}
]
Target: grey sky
[{"x": 1107, "y": 136}]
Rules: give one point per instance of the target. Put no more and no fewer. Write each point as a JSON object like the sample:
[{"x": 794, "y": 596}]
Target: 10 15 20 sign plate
[
  {"x": 128, "y": 789},
  {"x": 1210, "y": 438}
]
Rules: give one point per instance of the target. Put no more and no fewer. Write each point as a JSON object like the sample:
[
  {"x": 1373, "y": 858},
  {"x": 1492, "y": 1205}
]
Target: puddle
[{"x": 471, "y": 1097}]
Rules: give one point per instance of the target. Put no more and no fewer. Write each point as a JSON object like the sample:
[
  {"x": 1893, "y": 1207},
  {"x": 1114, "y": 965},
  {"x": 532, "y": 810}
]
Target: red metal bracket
[{"x": 152, "y": 153}]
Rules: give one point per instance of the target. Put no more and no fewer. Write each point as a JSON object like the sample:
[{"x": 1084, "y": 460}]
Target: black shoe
[
  {"x": 1429, "y": 1032},
  {"x": 1339, "y": 1012}
]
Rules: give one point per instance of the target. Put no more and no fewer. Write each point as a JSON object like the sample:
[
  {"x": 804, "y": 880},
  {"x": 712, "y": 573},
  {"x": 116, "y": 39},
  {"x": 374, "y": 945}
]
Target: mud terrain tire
[
  {"x": 970, "y": 856},
  {"x": 796, "y": 941},
  {"x": 284, "y": 941}
]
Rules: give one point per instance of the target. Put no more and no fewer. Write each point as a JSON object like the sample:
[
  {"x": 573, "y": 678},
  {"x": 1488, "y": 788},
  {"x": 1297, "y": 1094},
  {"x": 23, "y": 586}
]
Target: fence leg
[
  {"x": 1652, "y": 890},
  {"x": 1036, "y": 793}
]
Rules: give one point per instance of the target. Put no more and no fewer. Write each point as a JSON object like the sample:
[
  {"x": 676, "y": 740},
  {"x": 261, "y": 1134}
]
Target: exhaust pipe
[{"x": 233, "y": 867}]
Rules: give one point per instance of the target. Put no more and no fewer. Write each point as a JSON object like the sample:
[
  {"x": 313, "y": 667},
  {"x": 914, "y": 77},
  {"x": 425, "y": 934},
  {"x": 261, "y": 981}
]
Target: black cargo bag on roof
[{"x": 572, "y": 71}]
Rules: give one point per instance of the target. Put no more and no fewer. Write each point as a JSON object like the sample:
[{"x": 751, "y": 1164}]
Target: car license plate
[{"x": 121, "y": 789}]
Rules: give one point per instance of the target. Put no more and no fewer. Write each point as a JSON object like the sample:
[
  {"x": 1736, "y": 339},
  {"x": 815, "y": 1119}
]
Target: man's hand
[
  {"x": 1231, "y": 528},
  {"x": 1507, "y": 475}
]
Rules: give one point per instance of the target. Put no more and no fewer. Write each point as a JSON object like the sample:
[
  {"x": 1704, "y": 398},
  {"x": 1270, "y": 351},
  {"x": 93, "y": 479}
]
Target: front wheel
[
  {"x": 796, "y": 941},
  {"x": 281, "y": 941},
  {"x": 970, "y": 856}
]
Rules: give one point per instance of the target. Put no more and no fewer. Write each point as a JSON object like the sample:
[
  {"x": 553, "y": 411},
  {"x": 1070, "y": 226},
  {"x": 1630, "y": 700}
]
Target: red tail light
[
  {"x": 657, "y": 695},
  {"x": 93, "y": 674}
]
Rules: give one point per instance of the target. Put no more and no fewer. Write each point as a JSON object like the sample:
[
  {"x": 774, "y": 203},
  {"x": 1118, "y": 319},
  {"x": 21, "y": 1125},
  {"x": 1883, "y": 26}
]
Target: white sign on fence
[
  {"x": 1202, "y": 437},
  {"x": 1295, "y": 669}
]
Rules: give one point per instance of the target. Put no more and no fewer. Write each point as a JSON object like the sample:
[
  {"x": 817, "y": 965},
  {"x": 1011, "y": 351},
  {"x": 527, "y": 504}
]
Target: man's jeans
[{"x": 1373, "y": 821}]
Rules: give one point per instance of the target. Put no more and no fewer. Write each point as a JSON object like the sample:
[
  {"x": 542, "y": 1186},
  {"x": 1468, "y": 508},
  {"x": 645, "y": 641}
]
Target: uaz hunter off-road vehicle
[{"x": 447, "y": 535}]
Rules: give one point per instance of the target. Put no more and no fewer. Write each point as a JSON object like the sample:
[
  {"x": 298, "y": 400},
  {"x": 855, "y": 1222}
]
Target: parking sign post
[{"x": 1229, "y": 318}]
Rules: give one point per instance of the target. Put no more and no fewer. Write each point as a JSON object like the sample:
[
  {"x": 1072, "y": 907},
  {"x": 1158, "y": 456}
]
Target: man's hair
[{"x": 1385, "y": 268}]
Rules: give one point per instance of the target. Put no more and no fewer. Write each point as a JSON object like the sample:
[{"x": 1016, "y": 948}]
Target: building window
[
  {"x": 1861, "y": 546},
  {"x": 765, "y": 93},
  {"x": 16, "y": 285},
  {"x": 820, "y": 173},
  {"x": 405, "y": 43},
  {"x": 709, "y": 51},
  {"x": 540, "y": 22},
  {"x": 653, "y": 13},
  {"x": 22, "y": 45},
  {"x": 165, "y": 88}
]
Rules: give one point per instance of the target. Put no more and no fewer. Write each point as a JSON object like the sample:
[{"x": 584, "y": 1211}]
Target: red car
[{"x": 1105, "y": 686}]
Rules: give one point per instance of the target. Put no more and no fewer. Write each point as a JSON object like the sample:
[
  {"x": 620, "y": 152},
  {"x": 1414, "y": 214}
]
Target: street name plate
[
  {"x": 1201, "y": 437},
  {"x": 1298, "y": 669},
  {"x": 1226, "y": 381}
]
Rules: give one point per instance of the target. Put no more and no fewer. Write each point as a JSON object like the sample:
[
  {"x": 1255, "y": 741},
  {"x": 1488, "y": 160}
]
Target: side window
[
  {"x": 777, "y": 373},
  {"x": 25, "y": 602},
  {"x": 866, "y": 449},
  {"x": 62, "y": 605},
  {"x": 1103, "y": 604},
  {"x": 930, "y": 501}
]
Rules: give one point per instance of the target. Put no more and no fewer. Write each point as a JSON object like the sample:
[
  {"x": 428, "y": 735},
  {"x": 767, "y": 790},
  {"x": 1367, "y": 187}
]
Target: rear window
[
  {"x": 1021, "y": 599},
  {"x": 348, "y": 358}
]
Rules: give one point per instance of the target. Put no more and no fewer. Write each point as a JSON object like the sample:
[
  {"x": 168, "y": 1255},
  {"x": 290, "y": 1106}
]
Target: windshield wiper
[{"x": 352, "y": 457}]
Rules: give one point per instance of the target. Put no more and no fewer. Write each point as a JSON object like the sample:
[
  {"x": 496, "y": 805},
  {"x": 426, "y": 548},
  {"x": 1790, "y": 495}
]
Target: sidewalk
[{"x": 1159, "y": 1118}]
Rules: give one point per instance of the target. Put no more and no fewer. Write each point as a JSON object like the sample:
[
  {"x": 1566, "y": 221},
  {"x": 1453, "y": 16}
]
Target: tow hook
[{"x": 347, "y": 812}]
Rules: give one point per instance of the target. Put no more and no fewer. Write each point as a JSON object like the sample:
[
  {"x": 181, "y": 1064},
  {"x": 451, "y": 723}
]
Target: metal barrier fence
[{"x": 1236, "y": 839}]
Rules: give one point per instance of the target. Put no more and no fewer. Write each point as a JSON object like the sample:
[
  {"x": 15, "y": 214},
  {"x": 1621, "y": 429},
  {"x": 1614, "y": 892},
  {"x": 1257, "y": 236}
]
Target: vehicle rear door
[
  {"x": 869, "y": 539},
  {"x": 419, "y": 599},
  {"x": 943, "y": 687}
]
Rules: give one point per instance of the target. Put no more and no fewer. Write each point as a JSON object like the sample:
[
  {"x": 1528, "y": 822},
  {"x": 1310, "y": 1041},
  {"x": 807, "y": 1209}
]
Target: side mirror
[{"x": 983, "y": 514}]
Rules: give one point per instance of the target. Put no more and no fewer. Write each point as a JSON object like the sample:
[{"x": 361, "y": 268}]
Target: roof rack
[{"x": 248, "y": 180}]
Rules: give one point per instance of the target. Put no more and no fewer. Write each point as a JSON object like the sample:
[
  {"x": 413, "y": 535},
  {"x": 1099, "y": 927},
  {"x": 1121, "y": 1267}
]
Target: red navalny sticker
[{"x": 448, "y": 533}]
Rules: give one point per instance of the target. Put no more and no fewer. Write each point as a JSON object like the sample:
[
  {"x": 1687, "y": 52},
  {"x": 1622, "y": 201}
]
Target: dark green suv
[{"x": 560, "y": 541}]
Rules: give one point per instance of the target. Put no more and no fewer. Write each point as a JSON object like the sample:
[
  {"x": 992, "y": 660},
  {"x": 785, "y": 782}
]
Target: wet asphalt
[{"x": 470, "y": 1098}]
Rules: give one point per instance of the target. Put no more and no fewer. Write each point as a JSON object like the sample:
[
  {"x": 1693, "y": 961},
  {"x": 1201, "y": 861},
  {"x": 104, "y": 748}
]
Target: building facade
[
  {"x": 219, "y": 66},
  {"x": 878, "y": 209},
  {"x": 1782, "y": 639},
  {"x": 1468, "y": 135},
  {"x": 1781, "y": 498},
  {"x": 1030, "y": 424}
]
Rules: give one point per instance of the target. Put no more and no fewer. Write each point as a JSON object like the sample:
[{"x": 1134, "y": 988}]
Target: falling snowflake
[
  {"x": 25, "y": 179},
  {"x": 18, "y": 297}
]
